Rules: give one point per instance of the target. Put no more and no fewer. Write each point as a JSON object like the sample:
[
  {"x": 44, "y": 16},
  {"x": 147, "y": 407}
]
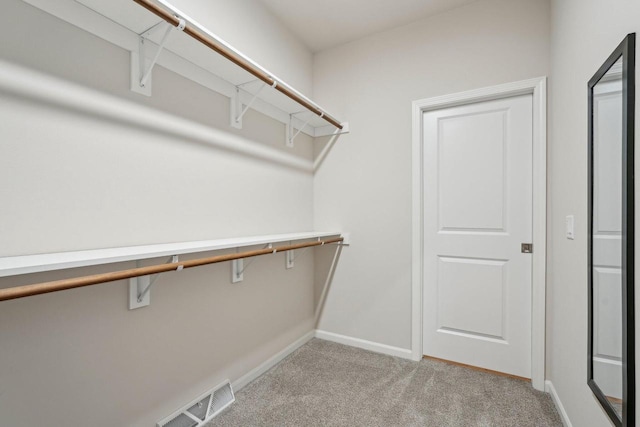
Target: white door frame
[{"x": 538, "y": 88}]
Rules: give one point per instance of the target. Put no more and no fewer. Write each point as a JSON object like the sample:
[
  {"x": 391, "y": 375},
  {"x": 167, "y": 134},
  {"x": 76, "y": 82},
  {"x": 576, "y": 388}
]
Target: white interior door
[{"x": 477, "y": 213}]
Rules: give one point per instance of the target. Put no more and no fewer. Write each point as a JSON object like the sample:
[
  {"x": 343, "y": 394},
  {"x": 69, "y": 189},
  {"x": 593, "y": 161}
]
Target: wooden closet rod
[
  {"x": 232, "y": 56},
  {"x": 78, "y": 282}
]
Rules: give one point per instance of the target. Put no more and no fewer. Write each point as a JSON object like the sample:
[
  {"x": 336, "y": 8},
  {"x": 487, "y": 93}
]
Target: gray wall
[
  {"x": 72, "y": 181},
  {"x": 364, "y": 185},
  {"x": 584, "y": 33}
]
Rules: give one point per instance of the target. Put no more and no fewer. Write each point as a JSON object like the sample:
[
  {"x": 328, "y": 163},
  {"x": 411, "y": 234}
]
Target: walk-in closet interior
[{"x": 338, "y": 213}]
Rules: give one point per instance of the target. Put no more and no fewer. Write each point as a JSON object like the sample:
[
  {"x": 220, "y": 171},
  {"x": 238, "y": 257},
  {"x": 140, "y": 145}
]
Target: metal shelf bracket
[
  {"x": 290, "y": 128},
  {"x": 238, "y": 266},
  {"x": 291, "y": 256},
  {"x": 237, "y": 110},
  {"x": 141, "y": 67},
  {"x": 288, "y": 259},
  {"x": 140, "y": 287}
]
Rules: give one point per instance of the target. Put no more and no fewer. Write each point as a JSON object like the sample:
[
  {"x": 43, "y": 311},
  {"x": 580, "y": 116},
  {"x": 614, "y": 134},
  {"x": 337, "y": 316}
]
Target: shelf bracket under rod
[
  {"x": 290, "y": 256},
  {"x": 250, "y": 103},
  {"x": 237, "y": 112},
  {"x": 139, "y": 298},
  {"x": 293, "y": 136},
  {"x": 238, "y": 266},
  {"x": 181, "y": 26}
]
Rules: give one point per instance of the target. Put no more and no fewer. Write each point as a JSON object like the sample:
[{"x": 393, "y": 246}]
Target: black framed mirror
[{"x": 611, "y": 367}]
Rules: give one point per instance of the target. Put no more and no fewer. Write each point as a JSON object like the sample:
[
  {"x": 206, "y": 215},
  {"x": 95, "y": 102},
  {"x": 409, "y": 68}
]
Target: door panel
[
  {"x": 478, "y": 212},
  {"x": 460, "y": 175},
  {"x": 477, "y": 284}
]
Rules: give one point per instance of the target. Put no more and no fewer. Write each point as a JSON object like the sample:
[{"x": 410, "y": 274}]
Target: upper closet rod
[
  {"x": 78, "y": 282},
  {"x": 232, "y": 56}
]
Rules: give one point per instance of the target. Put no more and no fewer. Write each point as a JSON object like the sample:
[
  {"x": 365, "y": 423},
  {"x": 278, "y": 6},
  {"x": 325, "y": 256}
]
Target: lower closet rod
[{"x": 78, "y": 282}]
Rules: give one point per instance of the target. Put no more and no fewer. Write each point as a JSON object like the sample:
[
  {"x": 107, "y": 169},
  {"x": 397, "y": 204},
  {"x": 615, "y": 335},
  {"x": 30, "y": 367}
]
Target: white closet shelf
[
  {"x": 128, "y": 24},
  {"x": 12, "y": 266}
]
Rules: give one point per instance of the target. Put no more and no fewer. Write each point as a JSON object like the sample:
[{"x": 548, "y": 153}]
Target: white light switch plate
[{"x": 570, "y": 227}]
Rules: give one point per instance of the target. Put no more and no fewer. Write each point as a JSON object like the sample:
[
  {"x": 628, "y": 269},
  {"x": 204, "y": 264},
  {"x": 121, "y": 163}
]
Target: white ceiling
[{"x": 328, "y": 23}]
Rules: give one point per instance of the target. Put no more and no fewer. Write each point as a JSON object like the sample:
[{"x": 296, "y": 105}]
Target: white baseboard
[
  {"x": 271, "y": 362},
  {"x": 364, "y": 344},
  {"x": 549, "y": 388}
]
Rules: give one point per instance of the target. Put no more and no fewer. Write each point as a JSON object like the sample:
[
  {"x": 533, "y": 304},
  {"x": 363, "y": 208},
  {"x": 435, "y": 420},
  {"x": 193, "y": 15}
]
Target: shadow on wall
[
  {"x": 321, "y": 148},
  {"x": 325, "y": 264}
]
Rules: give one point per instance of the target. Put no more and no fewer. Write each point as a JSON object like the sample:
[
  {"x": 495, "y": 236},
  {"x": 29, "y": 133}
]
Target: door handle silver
[{"x": 527, "y": 248}]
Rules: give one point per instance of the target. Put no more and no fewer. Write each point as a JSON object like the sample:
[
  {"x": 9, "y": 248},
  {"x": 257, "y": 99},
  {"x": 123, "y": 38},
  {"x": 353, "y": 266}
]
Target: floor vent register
[{"x": 203, "y": 409}]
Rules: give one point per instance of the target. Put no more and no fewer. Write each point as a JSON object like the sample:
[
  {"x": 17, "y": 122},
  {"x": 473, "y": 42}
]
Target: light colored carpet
[{"x": 328, "y": 384}]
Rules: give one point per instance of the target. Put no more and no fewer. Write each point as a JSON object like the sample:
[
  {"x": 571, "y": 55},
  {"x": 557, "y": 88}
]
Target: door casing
[{"x": 538, "y": 88}]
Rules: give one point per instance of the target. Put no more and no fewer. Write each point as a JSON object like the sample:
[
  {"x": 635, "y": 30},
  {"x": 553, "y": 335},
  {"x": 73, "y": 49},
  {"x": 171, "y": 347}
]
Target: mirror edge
[{"x": 626, "y": 50}]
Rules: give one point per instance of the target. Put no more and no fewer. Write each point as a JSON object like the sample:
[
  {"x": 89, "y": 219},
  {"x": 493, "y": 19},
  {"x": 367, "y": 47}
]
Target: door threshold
[{"x": 476, "y": 368}]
